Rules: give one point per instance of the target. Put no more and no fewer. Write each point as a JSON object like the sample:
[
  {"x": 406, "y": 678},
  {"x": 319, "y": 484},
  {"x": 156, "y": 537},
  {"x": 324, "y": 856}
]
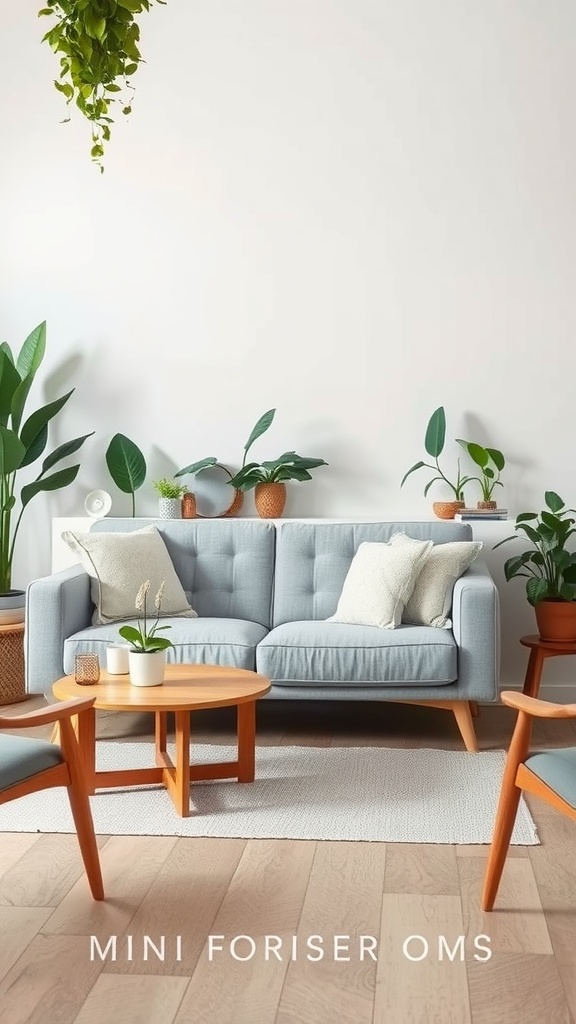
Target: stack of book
[{"x": 468, "y": 515}]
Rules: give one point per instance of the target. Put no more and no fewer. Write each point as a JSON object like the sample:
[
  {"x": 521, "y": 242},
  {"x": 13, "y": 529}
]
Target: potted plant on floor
[
  {"x": 434, "y": 441},
  {"x": 548, "y": 566},
  {"x": 490, "y": 462},
  {"x": 22, "y": 443},
  {"x": 269, "y": 478},
  {"x": 147, "y": 654}
]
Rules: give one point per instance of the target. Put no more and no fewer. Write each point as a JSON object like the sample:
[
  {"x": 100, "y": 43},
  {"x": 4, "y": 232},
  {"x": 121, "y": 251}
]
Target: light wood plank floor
[{"x": 195, "y": 888}]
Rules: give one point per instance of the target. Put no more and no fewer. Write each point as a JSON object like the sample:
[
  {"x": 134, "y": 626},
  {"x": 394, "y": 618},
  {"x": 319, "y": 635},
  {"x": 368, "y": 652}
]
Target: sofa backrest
[
  {"x": 226, "y": 566},
  {"x": 312, "y": 560}
]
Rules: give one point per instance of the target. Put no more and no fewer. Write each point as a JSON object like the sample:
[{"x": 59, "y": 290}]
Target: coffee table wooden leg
[
  {"x": 85, "y": 727},
  {"x": 246, "y": 724},
  {"x": 181, "y": 791},
  {"x": 534, "y": 672},
  {"x": 160, "y": 733}
]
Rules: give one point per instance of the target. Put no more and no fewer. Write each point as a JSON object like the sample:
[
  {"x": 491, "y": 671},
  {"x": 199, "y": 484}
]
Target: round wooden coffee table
[{"x": 186, "y": 688}]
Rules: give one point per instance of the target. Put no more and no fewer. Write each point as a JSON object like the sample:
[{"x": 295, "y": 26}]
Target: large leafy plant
[
  {"x": 434, "y": 442},
  {"x": 23, "y": 442},
  {"x": 549, "y": 568},
  {"x": 490, "y": 461},
  {"x": 288, "y": 466},
  {"x": 98, "y": 44}
]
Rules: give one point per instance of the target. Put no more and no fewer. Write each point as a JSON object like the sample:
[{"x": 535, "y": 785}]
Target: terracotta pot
[
  {"x": 188, "y": 506},
  {"x": 556, "y": 620},
  {"x": 270, "y": 500},
  {"x": 487, "y": 504},
  {"x": 446, "y": 509}
]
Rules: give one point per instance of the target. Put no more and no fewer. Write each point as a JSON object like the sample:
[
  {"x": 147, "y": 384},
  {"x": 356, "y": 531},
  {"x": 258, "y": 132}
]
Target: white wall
[{"x": 354, "y": 211}]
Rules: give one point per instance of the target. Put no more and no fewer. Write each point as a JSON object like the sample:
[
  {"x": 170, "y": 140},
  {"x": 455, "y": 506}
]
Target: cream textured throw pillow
[
  {"x": 431, "y": 599},
  {"x": 119, "y": 563},
  {"x": 379, "y": 582}
]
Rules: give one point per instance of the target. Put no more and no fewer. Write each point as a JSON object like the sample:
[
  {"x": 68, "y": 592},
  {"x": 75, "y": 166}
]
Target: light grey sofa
[{"x": 263, "y": 594}]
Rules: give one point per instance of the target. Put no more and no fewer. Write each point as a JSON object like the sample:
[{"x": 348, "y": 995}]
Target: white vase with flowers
[{"x": 147, "y": 654}]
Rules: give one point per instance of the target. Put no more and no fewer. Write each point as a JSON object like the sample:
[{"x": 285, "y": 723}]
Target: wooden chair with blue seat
[
  {"x": 548, "y": 774},
  {"x": 28, "y": 765}
]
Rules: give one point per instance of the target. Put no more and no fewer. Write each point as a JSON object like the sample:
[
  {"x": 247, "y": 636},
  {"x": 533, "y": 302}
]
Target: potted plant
[
  {"x": 268, "y": 479},
  {"x": 548, "y": 566},
  {"x": 434, "y": 441},
  {"x": 22, "y": 443},
  {"x": 147, "y": 654},
  {"x": 491, "y": 462},
  {"x": 170, "y": 500}
]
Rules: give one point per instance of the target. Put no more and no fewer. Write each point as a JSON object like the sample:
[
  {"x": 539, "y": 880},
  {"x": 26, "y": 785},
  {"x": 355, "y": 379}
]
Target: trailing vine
[{"x": 99, "y": 53}]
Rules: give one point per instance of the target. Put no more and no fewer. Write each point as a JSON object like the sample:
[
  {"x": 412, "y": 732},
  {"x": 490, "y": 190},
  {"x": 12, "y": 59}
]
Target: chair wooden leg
[
  {"x": 464, "y": 721},
  {"x": 81, "y": 812},
  {"x": 505, "y": 818}
]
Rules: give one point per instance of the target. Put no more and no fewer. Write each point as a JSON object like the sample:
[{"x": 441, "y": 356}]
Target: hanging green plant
[{"x": 98, "y": 43}]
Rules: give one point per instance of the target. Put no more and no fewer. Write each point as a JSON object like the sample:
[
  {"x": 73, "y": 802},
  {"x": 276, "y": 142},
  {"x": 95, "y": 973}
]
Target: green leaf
[
  {"x": 497, "y": 458},
  {"x": 12, "y": 451},
  {"x": 436, "y": 433},
  {"x": 64, "y": 450},
  {"x": 196, "y": 467},
  {"x": 130, "y": 633},
  {"x": 537, "y": 590},
  {"x": 62, "y": 478},
  {"x": 126, "y": 464},
  {"x": 36, "y": 448},
  {"x": 505, "y": 541},
  {"x": 429, "y": 484},
  {"x": 560, "y": 557},
  {"x": 569, "y": 574},
  {"x": 9, "y": 381},
  {"x": 554, "y": 501},
  {"x": 418, "y": 465},
  {"x": 35, "y": 423},
  {"x": 525, "y": 517},
  {"x": 32, "y": 352},
  {"x": 258, "y": 429},
  {"x": 552, "y": 522},
  {"x": 158, "y": 643},
  {"x": 5, "y": 347},
  {"x": 531, "y": 533},
  {"x": 478, "y": 454}
]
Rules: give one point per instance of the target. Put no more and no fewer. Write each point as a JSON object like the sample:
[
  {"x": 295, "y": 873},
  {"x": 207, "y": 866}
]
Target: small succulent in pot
[
  {"x": 170, "y": 501},
  {"x": 168, "y": 488},
  {"x": 491, "y": 462}
]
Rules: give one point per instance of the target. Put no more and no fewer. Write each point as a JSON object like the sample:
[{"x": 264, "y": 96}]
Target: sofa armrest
[
  {"x": 476, "y": 627},
  {"x": 56, "y": 607}
]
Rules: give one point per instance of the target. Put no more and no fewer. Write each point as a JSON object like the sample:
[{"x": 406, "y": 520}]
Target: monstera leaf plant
[
  {"x": 98, "y": 45},
  {"x": 23, "y": 441}
]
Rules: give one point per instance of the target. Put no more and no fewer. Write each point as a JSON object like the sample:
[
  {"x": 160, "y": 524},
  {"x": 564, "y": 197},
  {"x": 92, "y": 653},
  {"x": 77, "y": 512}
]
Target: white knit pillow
[
  {"x": 119, "y": 563},
  {"x": 379, "y": 582},
  {"x": 431, "y": 599}
]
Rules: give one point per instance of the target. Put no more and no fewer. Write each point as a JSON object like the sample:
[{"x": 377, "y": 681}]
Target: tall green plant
[
  {"x": 490, "y": 462},
  {"x": 549, "y": 568},
  {"x": 22, "y": 443},
  {"x": 99, "y": 53},
  {"x": 126, "y": 465},
  {"x": 434, "y": 444}
]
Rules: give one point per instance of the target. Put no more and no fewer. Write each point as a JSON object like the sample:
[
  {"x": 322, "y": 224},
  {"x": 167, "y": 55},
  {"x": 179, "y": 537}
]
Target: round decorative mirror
[{"x": 215, "y": 496}]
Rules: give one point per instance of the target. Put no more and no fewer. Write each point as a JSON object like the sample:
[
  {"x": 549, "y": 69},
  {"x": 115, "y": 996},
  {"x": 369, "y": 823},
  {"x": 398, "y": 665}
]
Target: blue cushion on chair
[
  {"x": 557, "y": 768},
  {"x": 21, "y": 757}
]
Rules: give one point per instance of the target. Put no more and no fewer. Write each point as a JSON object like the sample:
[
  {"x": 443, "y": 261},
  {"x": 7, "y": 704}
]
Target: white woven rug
[{"x": 363, "y": 793}]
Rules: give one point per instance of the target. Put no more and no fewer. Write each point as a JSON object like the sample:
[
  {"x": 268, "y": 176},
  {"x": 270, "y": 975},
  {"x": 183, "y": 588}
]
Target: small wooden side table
[
  {"x": 540, "y": 650},
  {"x": 12, "y": 684}
]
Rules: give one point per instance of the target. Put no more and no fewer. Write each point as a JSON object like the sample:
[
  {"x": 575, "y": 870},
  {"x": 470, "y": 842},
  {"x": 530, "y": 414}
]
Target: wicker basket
[
  {"x": 270, "y": 500},
  {"x": 12, "y": 687}
]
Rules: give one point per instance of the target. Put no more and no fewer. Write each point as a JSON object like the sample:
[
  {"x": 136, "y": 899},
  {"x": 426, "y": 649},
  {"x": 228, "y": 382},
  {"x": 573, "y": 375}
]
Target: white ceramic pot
[
  {"x": 170, "y": 508},
  {"x": 147, "y": 669},
  {"x": 12, "y": 607},
  {"x": 117, "y": 663}
]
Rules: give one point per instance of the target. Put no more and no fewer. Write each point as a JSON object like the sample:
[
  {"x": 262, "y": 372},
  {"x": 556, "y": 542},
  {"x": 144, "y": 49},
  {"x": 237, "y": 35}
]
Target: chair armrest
[
  {"x": 56, "y": 607},
  {"x": 536, "y": 707},
  {"x": 44, "y": 716},
  {"x": 476, "y": 628}
]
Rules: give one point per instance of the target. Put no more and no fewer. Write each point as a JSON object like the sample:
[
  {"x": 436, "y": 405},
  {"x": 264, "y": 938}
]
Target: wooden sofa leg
[
  {"x": 474, "y": 709},
  {"x": 463, "y": 718}
]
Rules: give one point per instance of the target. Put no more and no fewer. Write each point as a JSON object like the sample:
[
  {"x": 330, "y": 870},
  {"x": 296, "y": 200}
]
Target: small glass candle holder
[{"x": 86, "y": 669}]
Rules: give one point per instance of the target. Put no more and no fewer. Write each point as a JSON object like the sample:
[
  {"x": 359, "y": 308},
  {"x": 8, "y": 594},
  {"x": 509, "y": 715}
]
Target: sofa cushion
[
  {"x": 119, "y": 563},
  {"x": 226, "y": 565},
  {"x": 212, "y": 641},
  {"x": 312, "y": 560},
  {"x": 431, "y": 599},
  {"x": 379, "y": 582},
  {"x": 305, "y": 652}
]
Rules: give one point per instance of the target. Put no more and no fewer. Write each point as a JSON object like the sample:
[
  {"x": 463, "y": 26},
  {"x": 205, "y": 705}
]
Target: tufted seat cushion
[
  {"x": 557, "y": 768},
  {"x": 21, "y": 757},
  {"x": 214, "y": 641},
  {"x": 301, "y": 653}
]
